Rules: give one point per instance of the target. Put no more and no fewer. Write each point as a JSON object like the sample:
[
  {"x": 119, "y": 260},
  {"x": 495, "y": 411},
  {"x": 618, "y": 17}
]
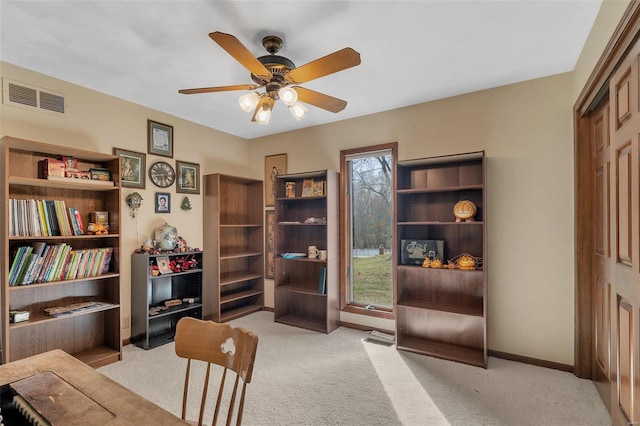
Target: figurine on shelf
[
  {"x": 464, "y": 210},
  {"x": 97, "y": 229}
]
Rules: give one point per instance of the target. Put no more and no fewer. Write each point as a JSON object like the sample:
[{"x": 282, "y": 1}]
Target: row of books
[
  {"x": 43, "y": 218},
  {"x": 41, "y": 262}
]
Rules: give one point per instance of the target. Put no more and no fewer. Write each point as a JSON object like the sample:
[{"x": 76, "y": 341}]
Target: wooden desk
[{"x": 128, "y": 407}]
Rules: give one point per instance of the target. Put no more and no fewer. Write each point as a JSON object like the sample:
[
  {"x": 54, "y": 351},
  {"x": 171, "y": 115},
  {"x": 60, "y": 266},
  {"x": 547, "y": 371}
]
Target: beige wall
[{"x": 525, "y": 129}]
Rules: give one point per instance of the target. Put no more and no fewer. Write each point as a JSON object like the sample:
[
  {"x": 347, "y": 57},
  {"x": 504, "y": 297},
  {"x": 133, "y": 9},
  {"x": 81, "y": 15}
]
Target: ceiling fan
[{"x": 280, "y": 78}]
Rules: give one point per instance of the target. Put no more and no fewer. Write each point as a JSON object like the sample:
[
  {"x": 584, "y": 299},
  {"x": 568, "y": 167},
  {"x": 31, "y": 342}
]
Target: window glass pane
[{"x": 370, "y": 206}]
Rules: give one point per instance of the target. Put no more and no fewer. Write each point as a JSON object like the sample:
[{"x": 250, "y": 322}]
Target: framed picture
[
  {"x": 160, "y": 139},
  {"x": 274, "y": 165},
  {"x": 163, "y": 202},
  {"x": 100, "y": 174},
  {"x": 132, "y": 168},
  {"x": 270, "y": 244},
  {"x": 163, "y": 264},
  {"x": 188, "y": 177}
]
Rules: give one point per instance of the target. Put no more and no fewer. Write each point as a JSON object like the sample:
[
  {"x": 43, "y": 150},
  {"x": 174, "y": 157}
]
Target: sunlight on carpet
[{"x": 410, "y": 400}]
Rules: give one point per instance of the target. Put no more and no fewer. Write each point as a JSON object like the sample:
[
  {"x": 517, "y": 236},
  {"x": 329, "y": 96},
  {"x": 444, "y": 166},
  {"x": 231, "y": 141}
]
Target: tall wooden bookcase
[
  {"x": 442, "y": 312},
  {"x": 233, "y": 247},
  {"x": 307, "y": 291},
  {"x": 92, "y": 335}
]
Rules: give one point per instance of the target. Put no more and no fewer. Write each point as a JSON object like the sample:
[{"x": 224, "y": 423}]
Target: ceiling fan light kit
[{"x": 276, "y": 73}]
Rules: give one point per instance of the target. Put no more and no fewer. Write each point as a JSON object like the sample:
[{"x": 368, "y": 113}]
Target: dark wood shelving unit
[
  {"x": 149, "y": 291},
  {"x": 234, "y": 247},
  {"x": 442, "y": 312},
  {"x": 91, "y": 335},
  {"x": 299, "y": 299}
]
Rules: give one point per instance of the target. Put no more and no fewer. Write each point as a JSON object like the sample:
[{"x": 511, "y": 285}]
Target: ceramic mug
[
  {"x": 322, "y": 254},
  {"x": 312, "y": 252}
]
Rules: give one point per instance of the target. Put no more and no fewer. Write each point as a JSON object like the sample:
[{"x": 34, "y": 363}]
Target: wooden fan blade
[
  {"x": 219, "y": 89},
  {"x": 264, "y": 100},
  {"x": 337, "y": 61},
  {"x": 320, "y": 100},
  {"x": 241, "y": 54}
]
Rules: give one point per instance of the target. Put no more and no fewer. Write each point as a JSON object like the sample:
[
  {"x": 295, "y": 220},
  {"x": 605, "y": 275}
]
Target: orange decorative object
[
  {"x": 436, "y": 263},
  {"x": 464, "y": 210},
  {"x": 426, "y": 263},
  {"x": 467, "y": 263},
  {"x": 97, "y": 229}
]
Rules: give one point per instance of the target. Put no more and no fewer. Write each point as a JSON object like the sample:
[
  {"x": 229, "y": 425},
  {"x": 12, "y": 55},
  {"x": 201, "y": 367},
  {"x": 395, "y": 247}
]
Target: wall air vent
[{"x": 23, "y": 95}]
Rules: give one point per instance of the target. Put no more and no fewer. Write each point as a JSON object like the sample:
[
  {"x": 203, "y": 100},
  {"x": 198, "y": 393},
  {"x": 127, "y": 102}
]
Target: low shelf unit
[{"x": 153, "y": 320}]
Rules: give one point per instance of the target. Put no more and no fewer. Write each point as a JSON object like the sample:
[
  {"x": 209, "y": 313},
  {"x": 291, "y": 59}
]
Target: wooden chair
[{"x": 231, "y": 348}]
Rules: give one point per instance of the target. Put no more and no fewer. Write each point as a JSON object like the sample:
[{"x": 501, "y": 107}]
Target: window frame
[{"x": 345, "y": 234}]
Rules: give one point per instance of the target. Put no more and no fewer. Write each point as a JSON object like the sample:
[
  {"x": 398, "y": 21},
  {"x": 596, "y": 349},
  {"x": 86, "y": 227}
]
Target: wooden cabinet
[
  {"x": 306, "y": 214},
  {"x": 92, "y": 332},
  {"x": 153, "y": 316},
  {"x": 442, "y": 312},
  {"x": 233, "y": 247}
]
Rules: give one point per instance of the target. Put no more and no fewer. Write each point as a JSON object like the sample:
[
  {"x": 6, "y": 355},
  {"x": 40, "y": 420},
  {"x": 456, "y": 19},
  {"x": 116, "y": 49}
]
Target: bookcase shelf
[
  {"x": 233, "y": 244},
  {"x": 302, "y": 297},
  {"x": 442, "y": 312},
  {"x": 149, "y": 291},
  {"x": 91, "y": 334}
]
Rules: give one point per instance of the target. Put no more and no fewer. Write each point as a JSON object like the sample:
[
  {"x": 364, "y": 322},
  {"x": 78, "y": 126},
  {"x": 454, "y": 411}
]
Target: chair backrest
[{"x": 213, "y": 343}]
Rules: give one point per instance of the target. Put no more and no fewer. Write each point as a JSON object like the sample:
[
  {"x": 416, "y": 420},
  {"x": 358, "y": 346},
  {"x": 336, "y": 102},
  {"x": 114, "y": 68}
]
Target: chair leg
[{"x": 185, "y": 393}]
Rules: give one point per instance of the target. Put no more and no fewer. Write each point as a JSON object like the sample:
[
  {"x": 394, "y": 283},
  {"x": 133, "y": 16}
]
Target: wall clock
[{"x": 162, "y": 174}]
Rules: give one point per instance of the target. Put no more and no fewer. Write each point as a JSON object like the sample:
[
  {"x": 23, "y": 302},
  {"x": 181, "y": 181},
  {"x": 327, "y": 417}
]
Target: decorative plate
[{"x": 293, "y": 255}]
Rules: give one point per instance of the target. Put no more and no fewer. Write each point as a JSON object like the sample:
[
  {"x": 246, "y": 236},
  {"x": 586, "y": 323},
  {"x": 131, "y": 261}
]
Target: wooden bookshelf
[
  {"x": 307, "y": 217},
  {"x": 92, "y": 335},
  {"x": 442, "y": 312},
  {"x": 233, "y": 247}
]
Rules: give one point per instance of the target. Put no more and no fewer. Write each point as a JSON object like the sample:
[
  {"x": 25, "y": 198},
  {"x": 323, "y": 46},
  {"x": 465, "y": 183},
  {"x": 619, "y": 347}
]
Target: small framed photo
[
  {"x": 160, "y": 139},
  {"x": 132, "y": 168},
  {"x": 188, "y": 177},
  {"x": 100, "y": 174},
  {"x": 163, "y": 202},
  {"x": 163, "y": 264}
]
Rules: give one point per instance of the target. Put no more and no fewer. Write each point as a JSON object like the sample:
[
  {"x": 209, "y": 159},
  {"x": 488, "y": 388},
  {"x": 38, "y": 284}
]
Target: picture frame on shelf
[
  {"x": 133, "y": 166},
  {"x": 307, "y": 188},
  {"x": 163, "y": 264},
  {"x": 100, "y": 174},
  {"x": 160, "y": 139},
  {"x": 163, "y": 202},
  {"x": 270, "y": 244},
  {"x": 188, "y": 177},
  {"x": 274, "y": 165}
]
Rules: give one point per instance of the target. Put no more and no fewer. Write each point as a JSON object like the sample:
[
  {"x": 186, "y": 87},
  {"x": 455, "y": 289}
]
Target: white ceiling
[{"x": 411, "y": 51}]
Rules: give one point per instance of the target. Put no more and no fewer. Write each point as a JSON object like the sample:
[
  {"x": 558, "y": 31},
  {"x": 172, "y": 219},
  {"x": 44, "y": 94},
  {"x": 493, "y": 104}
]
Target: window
[{"x": 367, "y": 193}]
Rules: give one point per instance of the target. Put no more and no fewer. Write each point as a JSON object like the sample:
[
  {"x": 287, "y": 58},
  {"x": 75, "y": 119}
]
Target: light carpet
[{"x": 307, "y": 378}]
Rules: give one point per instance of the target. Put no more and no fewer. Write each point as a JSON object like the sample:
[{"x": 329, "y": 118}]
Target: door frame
[{"x": 624, "y": 36}]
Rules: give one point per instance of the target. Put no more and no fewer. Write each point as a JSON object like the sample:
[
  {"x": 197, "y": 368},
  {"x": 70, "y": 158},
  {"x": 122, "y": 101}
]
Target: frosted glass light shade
[
  {"x": 263, "y": 116},
  {"x": 288, "y": 95},
  {"x": 298, "y": 111},
  {"x": 249, "y": 101}
]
